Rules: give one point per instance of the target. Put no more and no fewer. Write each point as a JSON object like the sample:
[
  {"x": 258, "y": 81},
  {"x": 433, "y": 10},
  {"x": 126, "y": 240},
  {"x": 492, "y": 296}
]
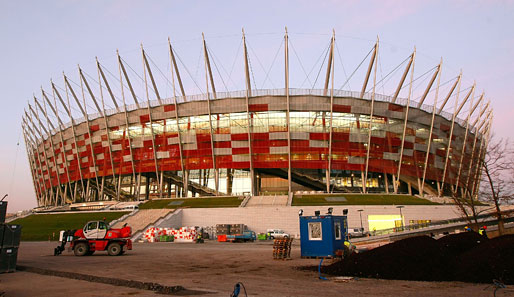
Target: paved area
[{"x": 210, "y": 269}]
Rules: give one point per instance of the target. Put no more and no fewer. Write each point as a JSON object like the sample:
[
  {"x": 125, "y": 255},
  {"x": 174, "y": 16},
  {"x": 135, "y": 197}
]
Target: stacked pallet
[
  {"x": 228, "y": 229},
  {"x": 282, "y": 248},
  {"x": 9, "y": 242}
]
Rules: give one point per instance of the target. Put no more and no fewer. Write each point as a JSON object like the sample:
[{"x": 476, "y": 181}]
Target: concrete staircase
[
  {"x": 143, "y": 218},
  {"x": 198, "y": 188}
]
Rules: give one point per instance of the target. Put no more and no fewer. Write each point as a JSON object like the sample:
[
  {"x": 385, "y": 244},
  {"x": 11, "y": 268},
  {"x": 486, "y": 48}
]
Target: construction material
[
  {"x": 228, "y": 229},
  {"x": 282, "y": 248},
  {"x": 184, "y": 234}
]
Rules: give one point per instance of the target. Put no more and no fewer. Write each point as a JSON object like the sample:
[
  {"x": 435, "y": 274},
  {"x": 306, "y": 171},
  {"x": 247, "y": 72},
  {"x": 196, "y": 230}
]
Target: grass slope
[
  {"x": 192, "y": 203},
  {"x": 47, "y": 226},
  {"x": 360, "y": 199}
]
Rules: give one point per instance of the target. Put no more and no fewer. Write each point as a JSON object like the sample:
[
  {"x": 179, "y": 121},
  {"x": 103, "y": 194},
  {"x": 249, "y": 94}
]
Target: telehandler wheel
[
  {"x": 114, "y": 249},
  {"x": 81, "y": 249}
]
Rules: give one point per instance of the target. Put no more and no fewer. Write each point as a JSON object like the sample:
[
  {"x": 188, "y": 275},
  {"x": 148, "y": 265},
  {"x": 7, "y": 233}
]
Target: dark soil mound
[
  {"x": 466, "y": 257},
  {"x": 415, "y": 258},
  {"x": 493, "y": 259},
  {"x": 456, "y": 244}
]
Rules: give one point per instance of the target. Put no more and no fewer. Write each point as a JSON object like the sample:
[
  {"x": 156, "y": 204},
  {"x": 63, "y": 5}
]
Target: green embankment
[
  {"x": 359, "y": 199},
  {"x": 192, "y": 203},
  {"x": 47, "y": 226}
]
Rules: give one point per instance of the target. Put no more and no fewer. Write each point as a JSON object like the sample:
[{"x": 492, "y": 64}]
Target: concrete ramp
[
  {"x": 259, "y": 201},
  {"x": 143, "y": 218}
]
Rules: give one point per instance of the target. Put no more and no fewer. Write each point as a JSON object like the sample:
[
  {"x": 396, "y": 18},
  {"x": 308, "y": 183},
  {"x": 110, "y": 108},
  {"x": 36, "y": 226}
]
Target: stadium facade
[{"x": 252, "y": 142}]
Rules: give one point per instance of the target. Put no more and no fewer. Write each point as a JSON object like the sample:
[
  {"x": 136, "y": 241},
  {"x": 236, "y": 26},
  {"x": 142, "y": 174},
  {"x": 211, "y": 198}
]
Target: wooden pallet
[{"x": 282, "y": 249}]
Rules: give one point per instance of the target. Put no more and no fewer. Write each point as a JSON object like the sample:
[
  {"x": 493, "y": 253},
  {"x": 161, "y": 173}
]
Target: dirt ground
[{"x": 209, "y": 269}]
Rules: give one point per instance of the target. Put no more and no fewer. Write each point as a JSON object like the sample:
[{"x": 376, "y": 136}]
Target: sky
[{"x": 41, "y": 39}]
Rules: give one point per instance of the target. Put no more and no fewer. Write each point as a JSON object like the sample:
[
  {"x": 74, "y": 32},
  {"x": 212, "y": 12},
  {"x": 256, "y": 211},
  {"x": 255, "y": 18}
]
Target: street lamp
[
  {"x": 401, "y": 215},
  {"x": 360, "y": 214}
]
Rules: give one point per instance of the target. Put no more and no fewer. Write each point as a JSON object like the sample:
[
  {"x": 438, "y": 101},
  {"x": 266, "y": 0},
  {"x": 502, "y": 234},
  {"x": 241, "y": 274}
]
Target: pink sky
[{"x": 41, "y": 39}]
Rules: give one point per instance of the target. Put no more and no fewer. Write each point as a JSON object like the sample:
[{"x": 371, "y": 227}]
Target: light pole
[
  {"x": 401, "y": 215},
  {"x": 360, "y": 214}
]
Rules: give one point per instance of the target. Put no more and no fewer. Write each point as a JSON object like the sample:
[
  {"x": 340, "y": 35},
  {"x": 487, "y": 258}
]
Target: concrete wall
[{"x": 259, "y": 219}]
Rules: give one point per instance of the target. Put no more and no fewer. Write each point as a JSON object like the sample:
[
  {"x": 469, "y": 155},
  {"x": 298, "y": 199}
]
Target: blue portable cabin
[{"x": 322, "y": 235}]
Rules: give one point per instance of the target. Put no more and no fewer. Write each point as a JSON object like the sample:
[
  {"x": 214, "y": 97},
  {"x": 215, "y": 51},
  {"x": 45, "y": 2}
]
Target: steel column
[
  {"x": 451, "y": 133},
  {"x": 397, "y": 181},
  {"x": 434, "y": 107},
  {"x": 365, "y": 180},
  {"x": 174, "y": 66}
]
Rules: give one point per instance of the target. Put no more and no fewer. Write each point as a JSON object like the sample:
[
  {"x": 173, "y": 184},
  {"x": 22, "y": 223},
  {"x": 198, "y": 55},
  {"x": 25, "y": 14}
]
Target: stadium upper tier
[{"x": 256, "y": 142}]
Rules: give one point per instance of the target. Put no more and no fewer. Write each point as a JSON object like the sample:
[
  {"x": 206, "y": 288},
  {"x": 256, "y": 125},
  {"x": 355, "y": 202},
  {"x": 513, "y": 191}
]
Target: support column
[
  {"x": 86, "y": 119},
  {"x": 60, "y": 124},
  {"x": 107, "y": 130},
  {"x": 49, "y": 135},
  {"x": 477, "y": 133},
  {"x": 421, "y": 192},
  {"x": 365, "y": 180},
  {"x": 248, "y": 94},
  {"x": 33, "y": 137},
  {"x": 209, "y": 71},
  {"x": 330, "y": 70},
  {"x": 402, "y": 80},
  {"x": 145, "y": 63},
  {"x": 463, "y": 151},
  {"x": 465, "y": 189},
  {"x": 175, "y": 67},
  {"x": 67, "y": 109},
  {"x": 288, "y": 120},
  {"x": 121, "y": 69},
  {"x": 397, "y": 181},
  {"x": 32, "y": 162},
  {"x": 485, "y": 141},
  {"x": 451, "y": 133}
]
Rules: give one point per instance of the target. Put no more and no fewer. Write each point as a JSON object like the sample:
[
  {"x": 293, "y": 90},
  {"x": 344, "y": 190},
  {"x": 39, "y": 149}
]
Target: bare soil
[{"x": 209, "y": 269}]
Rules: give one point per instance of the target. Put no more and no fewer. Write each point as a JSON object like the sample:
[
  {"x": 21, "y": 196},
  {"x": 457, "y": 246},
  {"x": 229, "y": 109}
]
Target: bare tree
[{"x": 497, "y": 184}]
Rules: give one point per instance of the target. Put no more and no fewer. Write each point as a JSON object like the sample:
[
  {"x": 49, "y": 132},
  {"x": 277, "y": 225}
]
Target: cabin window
[
  {"x": 315, "y": 231},
  {"x": 337, "y": 230},
  {"x": 92, "y": 226}
]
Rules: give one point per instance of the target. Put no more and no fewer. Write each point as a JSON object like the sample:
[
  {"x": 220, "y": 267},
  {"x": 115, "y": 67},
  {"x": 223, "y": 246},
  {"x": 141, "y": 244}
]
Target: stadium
[{"x": 253, "y": 142}]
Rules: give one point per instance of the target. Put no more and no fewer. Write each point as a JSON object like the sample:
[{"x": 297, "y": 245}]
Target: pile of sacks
[{"x": 184, "y": 234}]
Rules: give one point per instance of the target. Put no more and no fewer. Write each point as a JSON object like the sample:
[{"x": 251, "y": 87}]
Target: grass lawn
[
  {"x": 192, "y": 203},
  {"x": 360, "y": 199},
  {"x": 47, "y": 226}
]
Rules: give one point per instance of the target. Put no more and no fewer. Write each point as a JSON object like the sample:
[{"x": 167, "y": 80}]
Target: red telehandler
[{"x": 96, "y": 236}]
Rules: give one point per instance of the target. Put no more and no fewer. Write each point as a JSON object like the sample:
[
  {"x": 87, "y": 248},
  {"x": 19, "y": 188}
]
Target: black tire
[
  {"x": 114, "y": 249},
  {"x": 81, "y": 249},
  {"x": 89, "y": 253},
  {"x": 272, "y": 237},
  {"x": 286, "y": 237}
]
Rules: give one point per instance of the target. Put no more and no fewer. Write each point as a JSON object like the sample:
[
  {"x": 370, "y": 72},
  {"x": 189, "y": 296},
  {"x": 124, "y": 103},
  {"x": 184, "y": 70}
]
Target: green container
[
  {"x": 171, "y": 238},
  {"x": 164, "y": 238},
  {"x": 262, "y": 236}
]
